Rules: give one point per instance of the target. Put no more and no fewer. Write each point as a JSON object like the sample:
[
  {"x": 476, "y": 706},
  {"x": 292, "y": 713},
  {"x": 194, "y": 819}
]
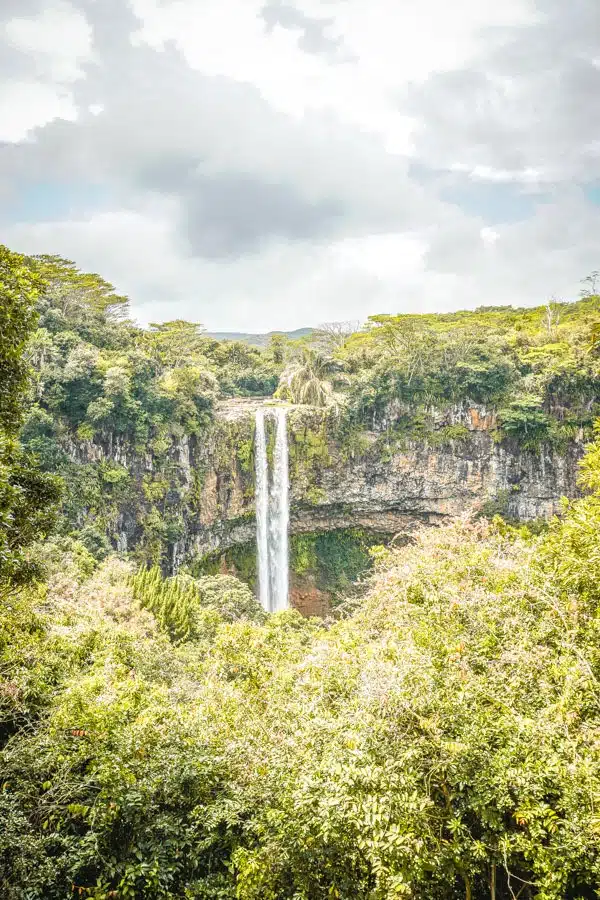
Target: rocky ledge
[
  {"x": 386, "y": 483},
  {"x": 390, "y": 478}
]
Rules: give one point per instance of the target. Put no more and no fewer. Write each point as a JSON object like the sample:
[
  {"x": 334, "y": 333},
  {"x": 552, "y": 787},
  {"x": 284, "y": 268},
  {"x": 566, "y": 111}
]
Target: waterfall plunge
[
  {"x": 262, "y": 510},
  {"x": 272, "y": 514}
]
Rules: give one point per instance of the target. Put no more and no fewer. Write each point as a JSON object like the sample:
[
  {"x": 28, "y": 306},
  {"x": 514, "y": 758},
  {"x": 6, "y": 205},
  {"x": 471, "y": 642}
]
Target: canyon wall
[{"x": 386, "y": 479}]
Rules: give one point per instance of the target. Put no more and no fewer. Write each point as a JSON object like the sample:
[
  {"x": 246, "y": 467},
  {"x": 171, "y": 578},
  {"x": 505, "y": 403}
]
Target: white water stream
[{"x": 272, "y": 513}]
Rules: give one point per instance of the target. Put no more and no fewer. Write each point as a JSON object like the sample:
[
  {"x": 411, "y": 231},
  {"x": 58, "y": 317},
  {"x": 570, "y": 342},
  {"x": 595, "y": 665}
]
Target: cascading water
[
  {"x": 262, "y": 510},
  {"x": 281, "y": 515},
  {"x": 272, "y": 514}
]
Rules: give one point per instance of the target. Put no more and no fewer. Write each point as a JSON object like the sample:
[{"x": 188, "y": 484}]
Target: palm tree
[{"x": 308, "y": 379}]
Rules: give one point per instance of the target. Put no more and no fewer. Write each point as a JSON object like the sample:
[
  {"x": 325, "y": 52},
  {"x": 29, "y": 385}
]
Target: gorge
[
  {"x": 423, "y": 493},
  {"x": 383, "y": 480}
]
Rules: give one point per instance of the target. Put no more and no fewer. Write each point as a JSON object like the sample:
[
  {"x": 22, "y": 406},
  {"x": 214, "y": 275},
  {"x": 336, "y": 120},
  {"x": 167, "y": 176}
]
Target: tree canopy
[
  {"x": 26, "y": 495},
  {"x": 439, "y": 742},
  {"x": 162, "y": 738}
]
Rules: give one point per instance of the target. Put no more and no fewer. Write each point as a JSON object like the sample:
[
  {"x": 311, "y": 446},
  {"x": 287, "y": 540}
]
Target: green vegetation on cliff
[
  {"x": 164, "y": 739},
  {"x": 539, "y": 369},
  {"x": 106, "y": 391},
  {"x": 119, "y": 411},
  {"x": 441, "y": 742}
]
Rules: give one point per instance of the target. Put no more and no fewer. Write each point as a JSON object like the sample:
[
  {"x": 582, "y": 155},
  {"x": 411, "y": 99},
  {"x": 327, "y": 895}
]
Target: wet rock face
[
  {"x": 380, "y": 483},
  {"x": 446, "y": 482},
  {"x": 393, "y": 489},
  {"x": 308, "y": 599}
]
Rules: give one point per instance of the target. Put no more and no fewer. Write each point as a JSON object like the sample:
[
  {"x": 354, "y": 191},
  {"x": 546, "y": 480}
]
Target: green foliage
[
  {"x": 497, "y": 506},
  {"x": 245, "y": 456},
  {"x": 27, "y": 497},
  {"x": 308, "y": 379},
  {"x": 230, "y": 597},
  {"x": 441, "y": 739},
  {"x": 173, "y": 602},
  {"x": 533, "y": 366},
  {"x": 27, "y": 512},
  {"x": 335, "y": 559},
  {"x": 526, "y": 421},
  {"x": 240, "y": 560},
  {"x": 18, "y": 291},
  {"x": 417, "y": 427},
  {"x": 190, "y": 609},
  {"x": 309, "y": 452},
  {"x": 439, "y": 742}
]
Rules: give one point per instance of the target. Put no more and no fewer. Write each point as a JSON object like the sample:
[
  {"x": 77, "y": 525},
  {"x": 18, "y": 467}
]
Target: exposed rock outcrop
[
  {"x": 390, "y": 486},
  {"x": 381, "y": 479}
]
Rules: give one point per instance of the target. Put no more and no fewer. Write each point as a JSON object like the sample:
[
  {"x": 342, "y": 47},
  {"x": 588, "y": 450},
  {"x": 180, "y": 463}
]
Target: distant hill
[{"x": 258, "y": 340}]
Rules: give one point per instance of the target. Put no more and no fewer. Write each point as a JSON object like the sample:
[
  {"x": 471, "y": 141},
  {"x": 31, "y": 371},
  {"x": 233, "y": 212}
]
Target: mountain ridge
[{"x": 258, "y": 340}]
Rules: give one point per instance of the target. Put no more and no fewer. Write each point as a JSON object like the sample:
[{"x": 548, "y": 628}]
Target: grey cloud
[
  {"x": 112, "y": 23},
  {"x": 314, "y": 37},
  {"x": 233, "y": 214},
  {"x": 531, "y": 101},
  {"x": 12, "y": 8},
  {"x": 14, "y": 64},
  {"x": 239, "y": 171}
]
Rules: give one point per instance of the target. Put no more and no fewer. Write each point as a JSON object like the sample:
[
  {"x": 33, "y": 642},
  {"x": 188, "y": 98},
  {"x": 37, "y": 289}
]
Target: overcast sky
[{"x": 259, "y": 165}]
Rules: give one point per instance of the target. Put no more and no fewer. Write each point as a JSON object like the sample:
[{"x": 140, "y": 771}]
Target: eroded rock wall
[
  {"x": 391, "y": 485},
  {"x": 381, "y": 479}
]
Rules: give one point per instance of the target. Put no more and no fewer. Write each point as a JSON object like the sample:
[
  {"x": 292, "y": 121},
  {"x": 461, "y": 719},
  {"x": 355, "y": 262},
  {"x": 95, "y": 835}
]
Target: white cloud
[
  {"x": 389, "y": 43},
  {"x": 259, "y": 179},
  {"x": 501, "y": 176},
  {"x": 58, "y": 39},
  {"x": 29, "y": 104},
  {"x": 284, "y": 286},
  {"x": 54, "y": 43}
]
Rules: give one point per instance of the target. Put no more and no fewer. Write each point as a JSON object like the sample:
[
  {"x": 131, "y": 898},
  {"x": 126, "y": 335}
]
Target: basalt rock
[{"x": 381, "y": 478}]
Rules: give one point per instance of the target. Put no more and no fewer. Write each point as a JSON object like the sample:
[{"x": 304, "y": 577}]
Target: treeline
[
  {"x": 99, "y": 378},
  {"x": 537, "y": 369}
]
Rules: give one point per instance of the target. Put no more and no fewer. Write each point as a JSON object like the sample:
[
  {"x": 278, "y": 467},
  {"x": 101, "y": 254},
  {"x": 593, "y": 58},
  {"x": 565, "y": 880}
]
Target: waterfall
[
  {"x": 272, "y": 514},
  {"x": 281, "y": 515},
  {"x": 262, "y": 510}
]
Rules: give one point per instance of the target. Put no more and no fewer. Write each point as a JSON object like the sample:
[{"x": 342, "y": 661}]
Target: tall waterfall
[
  {"x": 262, "y": 510},
  {"x": 272, "y": 514}
]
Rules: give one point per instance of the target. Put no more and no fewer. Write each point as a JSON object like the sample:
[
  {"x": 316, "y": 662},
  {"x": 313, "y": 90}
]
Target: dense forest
[
  {"x": 163, "y": 738},
  {"x": 98, "y": 378}
]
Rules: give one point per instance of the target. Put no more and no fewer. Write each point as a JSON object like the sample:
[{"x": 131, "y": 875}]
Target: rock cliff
[{"x": 390, "y": 478}]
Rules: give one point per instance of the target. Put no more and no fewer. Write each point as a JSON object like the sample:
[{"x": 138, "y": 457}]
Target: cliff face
[
  {"x": 389, "y": 485},
  {"x": 385, "y": 479}
]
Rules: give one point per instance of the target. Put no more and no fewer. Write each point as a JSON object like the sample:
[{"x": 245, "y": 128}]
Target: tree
[
  {"x": 277, "y": 348},
  {"x": 176, "y": 343},
  {"x": 26, "y": 495},
  {"x": 70, "y": 289},
  {"x": 19, "y": 289},
  {"x": 331, "y": 336},
  {"x": 308, "y": 379},
  {"x": 552, "y": 318},
  {"x": 591, "y": 285},
  {"x": 407, "y": 343}
]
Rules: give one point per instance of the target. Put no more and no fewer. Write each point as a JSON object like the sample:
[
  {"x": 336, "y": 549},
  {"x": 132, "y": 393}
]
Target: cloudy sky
[{"x": 259, "y": 164}]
